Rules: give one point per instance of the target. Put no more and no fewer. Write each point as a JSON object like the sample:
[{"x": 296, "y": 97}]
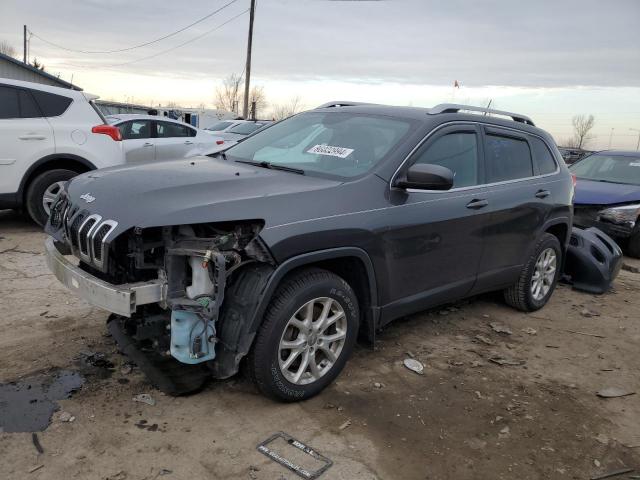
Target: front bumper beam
[{"x": 120, "y": 299}]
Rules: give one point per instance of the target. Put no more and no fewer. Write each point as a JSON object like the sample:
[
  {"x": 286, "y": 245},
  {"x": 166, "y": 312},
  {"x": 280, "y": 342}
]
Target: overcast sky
[{"x": 548, "y": 58}]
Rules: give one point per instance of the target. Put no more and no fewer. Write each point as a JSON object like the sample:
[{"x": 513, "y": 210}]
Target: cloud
[{"x": 493, "y": 42}]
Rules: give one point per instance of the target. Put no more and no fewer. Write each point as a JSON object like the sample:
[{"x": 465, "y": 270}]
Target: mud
[{"x": 28, "y": 404}]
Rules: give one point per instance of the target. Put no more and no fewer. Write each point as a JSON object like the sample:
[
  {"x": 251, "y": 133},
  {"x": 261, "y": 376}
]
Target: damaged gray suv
[{"x": 281, "y": 251}]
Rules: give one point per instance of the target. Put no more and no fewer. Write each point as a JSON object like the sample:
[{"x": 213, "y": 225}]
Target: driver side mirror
[{"x": 425, "y": 176}]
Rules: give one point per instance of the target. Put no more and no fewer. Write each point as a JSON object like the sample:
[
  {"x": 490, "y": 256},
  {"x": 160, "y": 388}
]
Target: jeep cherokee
[{"x": 323, "y": 227}]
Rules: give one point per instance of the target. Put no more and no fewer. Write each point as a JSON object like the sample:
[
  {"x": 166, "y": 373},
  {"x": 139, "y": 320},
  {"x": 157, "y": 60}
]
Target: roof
[
  {"x": 122, "y": 117},
  {"x": 42, "y": 73},
  {"x": 621, "y": 153},
  {"x": 444, "y": 112}
]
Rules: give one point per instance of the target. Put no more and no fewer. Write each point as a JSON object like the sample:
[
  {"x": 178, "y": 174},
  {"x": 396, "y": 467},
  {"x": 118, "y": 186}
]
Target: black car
[{"x": 326, "y": 226}]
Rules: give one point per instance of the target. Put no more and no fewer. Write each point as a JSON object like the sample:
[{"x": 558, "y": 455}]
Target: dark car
[
  {"x": 608, "y": 195},
  {"x": 572, "y": 155},
  {"x": 323, "y": 227}
]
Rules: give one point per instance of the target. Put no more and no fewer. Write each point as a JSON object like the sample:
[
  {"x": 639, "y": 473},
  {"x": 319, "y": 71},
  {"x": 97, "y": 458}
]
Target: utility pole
[
  {"x": 637, "y": 130},
  {"x": 24, "y": 43},
  {"x": 247, "y": 78}
]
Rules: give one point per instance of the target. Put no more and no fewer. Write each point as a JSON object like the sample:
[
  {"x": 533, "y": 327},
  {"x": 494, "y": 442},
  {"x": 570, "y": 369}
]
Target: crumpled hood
[
  {"x": 198, "y": 190},
  {"x": 589, "y": 192}
]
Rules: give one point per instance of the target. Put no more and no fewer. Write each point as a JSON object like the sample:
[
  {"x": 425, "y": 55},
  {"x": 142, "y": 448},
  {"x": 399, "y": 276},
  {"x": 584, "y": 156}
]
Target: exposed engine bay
[{"x": 197, "y": 266}]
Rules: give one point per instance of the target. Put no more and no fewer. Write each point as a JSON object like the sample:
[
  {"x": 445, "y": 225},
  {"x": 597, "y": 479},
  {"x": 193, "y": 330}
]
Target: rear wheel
[
  {"x": 43, "y": 190},
  {"x": 308, "y": 333},
  {"x": 538, "y": 277}
]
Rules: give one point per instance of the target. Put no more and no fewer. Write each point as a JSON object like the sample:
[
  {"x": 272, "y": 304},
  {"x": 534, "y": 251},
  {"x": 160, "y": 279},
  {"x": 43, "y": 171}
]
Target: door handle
[
  {"x": 32, "y": 136},
  {"x": 543, "y": 193},
  {"x": 477, "y": 203},
  {"x": 147, "y": 144},
  {"x": 188, "y": 142}
]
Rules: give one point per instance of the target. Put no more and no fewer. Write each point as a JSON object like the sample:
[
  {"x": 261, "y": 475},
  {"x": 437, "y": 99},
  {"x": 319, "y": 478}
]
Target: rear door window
[
  {"x": 9, "y": 107},
  {"x": 28, "y": 107},
  {"x": 135, "y": 129},
  {"x": 458, "y": 152},
  {"x": 542, "y": 156},
  {"x": 50, "y": 104},
  {"x": 506, "y": 158},
  {"x": 172, "y": 130}
]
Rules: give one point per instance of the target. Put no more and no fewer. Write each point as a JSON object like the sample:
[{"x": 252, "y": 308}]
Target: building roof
[{"x": 44, "y": 74}]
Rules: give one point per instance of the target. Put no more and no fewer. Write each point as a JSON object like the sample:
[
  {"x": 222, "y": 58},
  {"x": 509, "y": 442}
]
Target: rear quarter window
[
  {"x": 9, "y": 103},
  {"x": 51, "y": 105},
  {"x": 542, "y": 156}
]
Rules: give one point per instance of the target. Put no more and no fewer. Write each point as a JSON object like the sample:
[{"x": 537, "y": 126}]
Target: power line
[
  {"x": 139, "y": 45},
  {"x": 164, "y": 51}
]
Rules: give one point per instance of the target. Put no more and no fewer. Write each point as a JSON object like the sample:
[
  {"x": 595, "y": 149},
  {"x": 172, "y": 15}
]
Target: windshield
[
  {"x": 337, "y": 144},
  {"x": 609, "y": 168},
  {"x": 246, "y": 128},
  {"x": 219, "y": 126}
]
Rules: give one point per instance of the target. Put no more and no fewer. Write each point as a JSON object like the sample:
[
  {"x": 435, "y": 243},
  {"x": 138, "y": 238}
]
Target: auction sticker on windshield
[{"x": 331, "y": 151}]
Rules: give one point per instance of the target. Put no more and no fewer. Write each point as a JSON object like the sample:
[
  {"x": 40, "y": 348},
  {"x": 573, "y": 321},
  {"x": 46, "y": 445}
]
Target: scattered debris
[
  {"x": 498, "y": 328},
  {"x": 66, "y": 417},
  {"x": 265, "y": 449},
  {"x": 611, "y": 474},
  {"x": 613, "y": 392},
  {"x": 346, "y": 424},
  {"x": 378, "y": 385},
  {"x": 165, "y": 471},
  {"x": 585, "y": 312},
  {"x": 602, "y": 438},
  {"x": 483, "y": 339},
  {"x": 36, "y": 443},
  {"x": 414, "y": 365},
  {"x": 577, "y": 333},
  {"x": 36, "y": 468},
  {"x": 476, "y": 363},
  {"x": 552, "y": 346},
  {"x": 596, "y": 462},
  {"x": 126, "y": 369},
  {"x": 145, "y": 398},
  {"x": 530, "y": 331},
  {"x": 505, "y": 432},
  {"x": 630, "y": 268},
  {"x": 329, "y": 406},
  {"x": 514, "y": 362}
]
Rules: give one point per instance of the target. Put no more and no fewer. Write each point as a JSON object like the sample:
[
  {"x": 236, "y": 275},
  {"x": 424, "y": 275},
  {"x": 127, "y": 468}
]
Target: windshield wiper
[{"x": 272, "y": 166}]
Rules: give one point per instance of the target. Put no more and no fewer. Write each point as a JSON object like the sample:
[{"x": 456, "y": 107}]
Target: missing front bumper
[{"x": 120, "y": 299}]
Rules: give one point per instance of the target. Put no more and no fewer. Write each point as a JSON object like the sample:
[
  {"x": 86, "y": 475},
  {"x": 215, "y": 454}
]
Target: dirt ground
[{"x": 465, "y": 418}]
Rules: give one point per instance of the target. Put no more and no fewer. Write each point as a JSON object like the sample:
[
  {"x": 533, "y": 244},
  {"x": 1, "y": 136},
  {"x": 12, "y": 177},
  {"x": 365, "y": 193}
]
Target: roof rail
[
  {"x": 342, "y": 103},
  {"x": 455, "y": 108}
]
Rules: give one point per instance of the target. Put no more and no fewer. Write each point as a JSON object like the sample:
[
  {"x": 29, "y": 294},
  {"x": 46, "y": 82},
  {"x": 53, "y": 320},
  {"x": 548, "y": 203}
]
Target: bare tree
[
  {"x": 7, "y": 49},
  {"x": 258, "y": 97},
  {"x": 284, "y": 110},
  {"x": 37, "y": 64},
  {"x": 227, "y": 96},
  {"x": 582, "y": 126}
]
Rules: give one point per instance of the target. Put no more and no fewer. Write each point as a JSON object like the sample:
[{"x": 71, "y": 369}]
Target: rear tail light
[
  {"x": 574, "y": 180},
  {"x": 219, "y": 142},
  {"x": 110, "y": 130}
]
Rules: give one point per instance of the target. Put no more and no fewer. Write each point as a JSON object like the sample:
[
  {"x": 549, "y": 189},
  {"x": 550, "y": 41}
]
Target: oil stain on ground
[{"x": 27, "y": 405}]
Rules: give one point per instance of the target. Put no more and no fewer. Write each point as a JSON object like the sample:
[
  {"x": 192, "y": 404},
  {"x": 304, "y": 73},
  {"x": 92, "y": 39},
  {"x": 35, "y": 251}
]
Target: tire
[
  {"x": 36, "y": 191},
  {"x": 633, "y": 247},
  {"x": 521, "y": 294},
  {"x": 266, "y": 363}
]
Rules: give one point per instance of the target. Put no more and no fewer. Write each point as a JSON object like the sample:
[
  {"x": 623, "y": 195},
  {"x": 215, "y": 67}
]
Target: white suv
[{"x": 47, "y": 136}]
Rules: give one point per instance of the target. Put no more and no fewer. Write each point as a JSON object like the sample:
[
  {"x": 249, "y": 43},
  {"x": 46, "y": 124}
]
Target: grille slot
[{"x": 98, "y": 238}]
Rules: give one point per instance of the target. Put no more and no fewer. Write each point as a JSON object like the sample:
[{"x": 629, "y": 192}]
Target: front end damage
[{"x": 182, "y": 297}]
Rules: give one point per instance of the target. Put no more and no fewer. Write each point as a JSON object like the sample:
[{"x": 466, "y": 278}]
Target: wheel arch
[
  {"x": 351, "y": 263},
  {"x": 51, "y": 162}
]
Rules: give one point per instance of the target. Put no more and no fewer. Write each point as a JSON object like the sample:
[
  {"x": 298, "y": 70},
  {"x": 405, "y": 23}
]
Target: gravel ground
[{"x": 466, "y": 417}]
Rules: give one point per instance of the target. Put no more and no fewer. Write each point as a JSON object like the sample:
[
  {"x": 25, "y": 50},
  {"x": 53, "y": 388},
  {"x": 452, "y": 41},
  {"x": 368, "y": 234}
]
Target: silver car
[{"x": 150, "y": 138}]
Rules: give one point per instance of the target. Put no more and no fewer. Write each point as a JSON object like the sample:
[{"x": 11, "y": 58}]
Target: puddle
[
  {"x": 95, "y": 365},
  {"x": 27, "y": 405}
]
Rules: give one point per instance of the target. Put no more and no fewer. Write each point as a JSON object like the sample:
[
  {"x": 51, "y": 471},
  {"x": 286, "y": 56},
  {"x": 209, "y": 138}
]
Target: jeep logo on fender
[{"x": 87, "y": 197}]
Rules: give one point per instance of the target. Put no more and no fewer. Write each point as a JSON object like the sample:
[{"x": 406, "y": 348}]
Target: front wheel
[
  {"x": 308, "y": 334},
  {"x": 43, "y": 190},
  {"x": 538, "y": 277}
]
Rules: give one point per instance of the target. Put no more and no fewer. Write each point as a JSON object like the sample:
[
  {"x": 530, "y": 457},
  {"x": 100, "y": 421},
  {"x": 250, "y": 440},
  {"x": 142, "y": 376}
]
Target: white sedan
[{"x": 151, "y": 138}]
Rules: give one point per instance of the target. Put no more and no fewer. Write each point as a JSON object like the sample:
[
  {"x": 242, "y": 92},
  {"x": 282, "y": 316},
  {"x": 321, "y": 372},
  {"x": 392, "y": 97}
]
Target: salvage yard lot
[{"x": 466, "y": 417}]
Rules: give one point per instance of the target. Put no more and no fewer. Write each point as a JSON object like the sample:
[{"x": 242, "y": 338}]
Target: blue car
[{"x": 608, "y": 196}]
